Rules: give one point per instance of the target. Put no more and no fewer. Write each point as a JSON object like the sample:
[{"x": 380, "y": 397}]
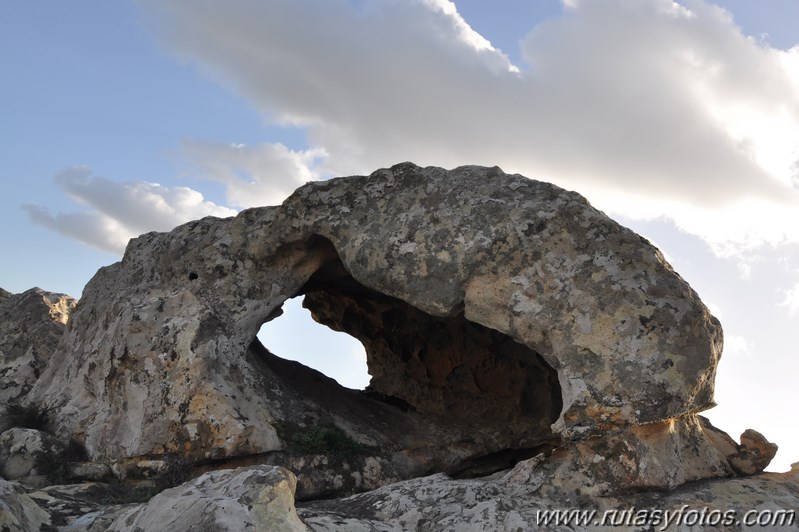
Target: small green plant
[{"x": 324, "y": 438}]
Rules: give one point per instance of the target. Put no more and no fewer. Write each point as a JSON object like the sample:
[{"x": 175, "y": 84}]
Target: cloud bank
[
  {"x": 651, "y": 108},
  {"x": 121, "y": 211},
  {"x": 662, "y": 106}
]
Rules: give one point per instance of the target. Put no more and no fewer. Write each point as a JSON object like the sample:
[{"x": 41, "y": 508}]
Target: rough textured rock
[
  {"x": 753, "y": 454},
  {"x": 19, "y": 450},
  {"x": 657, "y": 455},
  {"x": 71, "y": 505},
  {"x": 18, "y": 512},
  {"x": 512, "y": 501},
  {"x": 501, "y": 315},
  {"x": 258, "y": 499},
  {"x": 31, "y": 325},
  {"x": 506, "y": 501}
]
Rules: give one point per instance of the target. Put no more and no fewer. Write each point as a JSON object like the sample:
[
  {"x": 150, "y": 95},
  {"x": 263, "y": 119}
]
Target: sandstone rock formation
[
  {"x": 259, "y": 498},
  {"x": 526, "y": 352},
  {"x": 503, "y": 314},
  {"x": 31, "y": 325}
]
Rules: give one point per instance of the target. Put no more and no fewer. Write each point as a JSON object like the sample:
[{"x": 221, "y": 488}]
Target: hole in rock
[
  {"x": 446, "y": 393},
  {"x": 296, "y": 336}
]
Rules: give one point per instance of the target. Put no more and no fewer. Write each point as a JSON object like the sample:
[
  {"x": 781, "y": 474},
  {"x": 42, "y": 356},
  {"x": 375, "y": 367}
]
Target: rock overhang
[{"x": 629, "y": 341}]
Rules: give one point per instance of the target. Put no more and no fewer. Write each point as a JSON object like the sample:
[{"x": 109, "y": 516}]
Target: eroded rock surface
[
  {"x": 258, "y": 498},
  {"x": 18, "y": 512},
  {"x": 19, "y": 451},
  {"x": 31, "y": 325},
  {"x": 515, "y": 501},
  {"x": 503, "y": 317}
]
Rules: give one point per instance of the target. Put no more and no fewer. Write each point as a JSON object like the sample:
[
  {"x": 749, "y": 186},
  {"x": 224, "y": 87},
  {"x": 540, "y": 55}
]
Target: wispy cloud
[
  {"x": 651, "y": 108},
  {"x": 253, "y": 175},
  {"x": 118, "y": 212}
]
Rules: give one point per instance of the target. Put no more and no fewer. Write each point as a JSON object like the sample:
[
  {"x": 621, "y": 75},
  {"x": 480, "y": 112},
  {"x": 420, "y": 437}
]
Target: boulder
[
  {"x": 502, "y": 317},
  {"x": 18, "y": 512},
  {"x": 755, "y": 453},
  {"x": 20, "y": 452},
  {"x": 751, "y": 456},
  {"x": 257, "y": 498},
  {"x": 31, "y": 325}
]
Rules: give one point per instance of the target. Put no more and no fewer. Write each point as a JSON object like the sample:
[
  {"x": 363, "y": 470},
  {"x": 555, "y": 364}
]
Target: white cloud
[
  {"x": 253, "y": 176},
  {"x": 714, "y": 309},
  {"x": 92, "y": 228},
  {"x": 736, "y": 346},
  {"x": 650, "y": 108},
  {"x": 121, "y": 211},
  {"x": 791, "y": 300}
]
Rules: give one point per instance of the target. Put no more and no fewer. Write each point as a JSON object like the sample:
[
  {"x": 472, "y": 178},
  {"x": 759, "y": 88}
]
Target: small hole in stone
[
  {"x": 192, "y": 276},
  {"x": 296, "y": 336}
]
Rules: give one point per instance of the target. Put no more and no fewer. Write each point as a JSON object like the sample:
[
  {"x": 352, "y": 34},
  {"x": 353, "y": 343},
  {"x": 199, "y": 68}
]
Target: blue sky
[{"x": 679, "y": 120}]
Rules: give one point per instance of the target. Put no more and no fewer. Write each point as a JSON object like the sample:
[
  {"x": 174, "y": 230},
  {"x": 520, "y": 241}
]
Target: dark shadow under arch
[{"x": 447, "y": 395}]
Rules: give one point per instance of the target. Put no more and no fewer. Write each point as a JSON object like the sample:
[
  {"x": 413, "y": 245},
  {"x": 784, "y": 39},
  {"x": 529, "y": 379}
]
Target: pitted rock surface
[
  {"x": 258, "y": 498},
  {"x": 31, "y": 325},
  {"x": 19, "y": 449},
  {"x": 502, "y": 316},
  {"x": 516, "y": 500}
]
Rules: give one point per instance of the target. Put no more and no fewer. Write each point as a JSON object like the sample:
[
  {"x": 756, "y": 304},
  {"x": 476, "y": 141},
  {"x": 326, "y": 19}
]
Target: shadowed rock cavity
[
  {"x": 444, "y": 367},
  {"x": 463, "y": 398}
]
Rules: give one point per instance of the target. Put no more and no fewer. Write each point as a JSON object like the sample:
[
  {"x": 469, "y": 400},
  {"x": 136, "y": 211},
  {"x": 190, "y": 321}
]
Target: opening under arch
[
  {"x": 446, "y": 394},
  {"x": 296, "y": 336}
]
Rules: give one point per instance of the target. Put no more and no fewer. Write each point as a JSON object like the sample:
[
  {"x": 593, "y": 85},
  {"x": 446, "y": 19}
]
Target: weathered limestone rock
[
  {"x": 752, "y": 456},
  {"x": 19, "y": 450},
  {"x": 658, "y": 455},
  {"x": 18, "y": 513},
  {"x": 87, "y": 503},
  {"x": 515, "y": 501},
  {"x": 31, "y": 325},
  {"x": 258, "y": 498},
  {"x": 755, "y": 453},
  {"x": 503, "y": 317}
]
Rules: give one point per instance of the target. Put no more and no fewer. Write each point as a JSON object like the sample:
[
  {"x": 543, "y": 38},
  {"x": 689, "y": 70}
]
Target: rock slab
[{"x": 252, "y": 499}]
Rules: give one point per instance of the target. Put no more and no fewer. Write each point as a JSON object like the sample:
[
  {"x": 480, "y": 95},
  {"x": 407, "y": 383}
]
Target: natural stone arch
[
  {"x": 444, "y": 367},
  {"x": 160, "y": 353}
]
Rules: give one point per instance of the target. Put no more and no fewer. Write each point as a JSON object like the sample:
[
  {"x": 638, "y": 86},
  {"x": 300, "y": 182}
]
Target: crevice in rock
[{"x": 481, "y": 466}]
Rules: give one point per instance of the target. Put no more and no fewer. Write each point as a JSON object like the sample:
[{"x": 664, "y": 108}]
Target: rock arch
[{"x": 493, "y": 306}]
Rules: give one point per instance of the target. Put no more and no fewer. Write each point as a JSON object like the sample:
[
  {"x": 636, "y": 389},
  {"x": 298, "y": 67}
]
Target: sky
[{"x": 679, "y": 120}]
